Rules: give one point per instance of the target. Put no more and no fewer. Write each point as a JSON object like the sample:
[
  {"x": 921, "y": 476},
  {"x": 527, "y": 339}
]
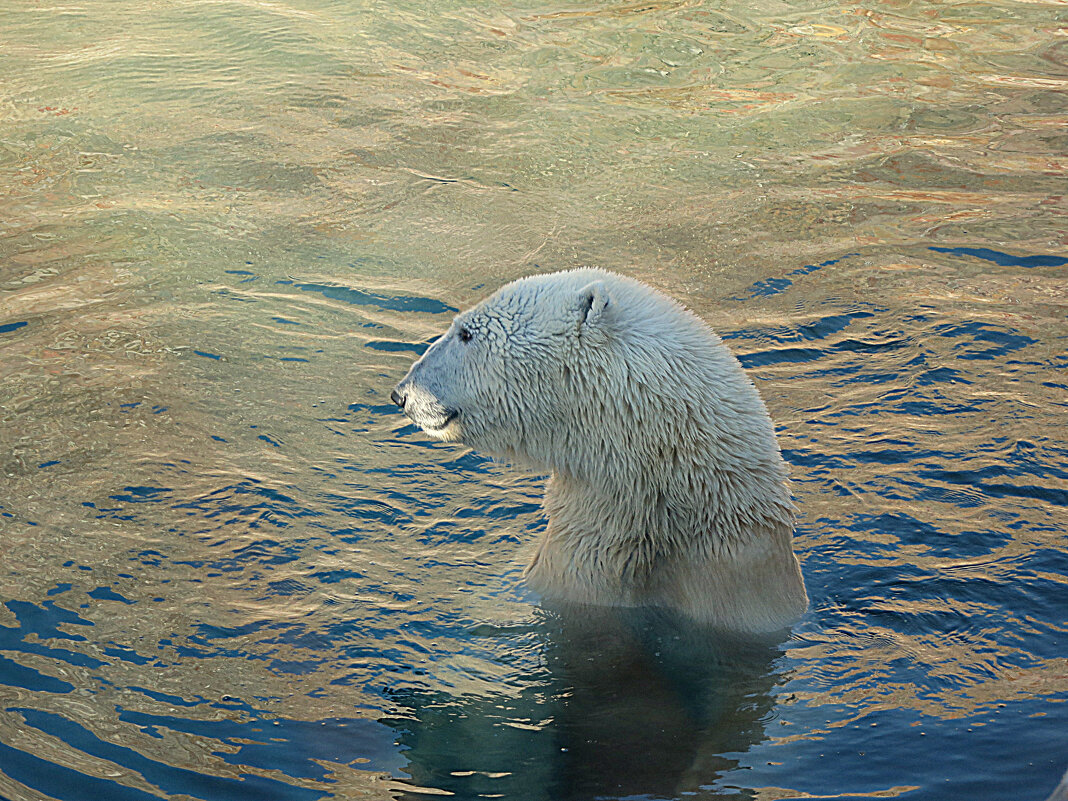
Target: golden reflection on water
[{"x": 160, "y": 179}]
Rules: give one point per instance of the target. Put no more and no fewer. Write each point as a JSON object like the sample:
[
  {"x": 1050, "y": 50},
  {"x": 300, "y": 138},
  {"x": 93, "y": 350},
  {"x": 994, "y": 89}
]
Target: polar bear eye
[{"x": 464, "y": 333}]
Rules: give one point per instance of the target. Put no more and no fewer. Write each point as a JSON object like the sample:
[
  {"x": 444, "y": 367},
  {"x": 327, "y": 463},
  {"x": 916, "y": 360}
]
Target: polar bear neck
[
  {"x": 677, "y": 479},
  {"x": 663, "y": 431}
]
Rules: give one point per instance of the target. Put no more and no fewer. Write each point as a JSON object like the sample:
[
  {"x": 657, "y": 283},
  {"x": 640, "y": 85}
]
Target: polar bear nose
[{"x": 397, "y": 398}]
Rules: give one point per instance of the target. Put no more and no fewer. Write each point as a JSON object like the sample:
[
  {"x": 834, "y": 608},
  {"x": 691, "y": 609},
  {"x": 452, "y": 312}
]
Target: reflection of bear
[
  {"x": 667, "y": 485},
  {"x": 627, "y": 703}
]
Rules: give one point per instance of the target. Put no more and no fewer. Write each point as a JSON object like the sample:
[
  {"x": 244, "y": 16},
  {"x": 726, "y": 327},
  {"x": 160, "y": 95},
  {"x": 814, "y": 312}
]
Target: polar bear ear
[{"x": 593, "y": 300}]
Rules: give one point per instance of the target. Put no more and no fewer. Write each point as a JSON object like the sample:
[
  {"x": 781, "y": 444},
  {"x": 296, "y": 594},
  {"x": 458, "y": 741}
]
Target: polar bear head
[
  {"x": 506, "y": 377},
  {"x": 589, "y": 373}
]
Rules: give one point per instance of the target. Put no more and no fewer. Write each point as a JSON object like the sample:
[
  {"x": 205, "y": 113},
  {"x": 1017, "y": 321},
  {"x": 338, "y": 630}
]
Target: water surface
[{"x": 231, "y": 570}]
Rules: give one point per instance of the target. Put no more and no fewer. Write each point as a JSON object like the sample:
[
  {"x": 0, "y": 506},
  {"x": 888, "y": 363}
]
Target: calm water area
[{"x": 231, "y": 570}]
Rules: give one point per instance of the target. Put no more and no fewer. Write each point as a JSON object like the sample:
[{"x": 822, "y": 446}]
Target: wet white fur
[{"x": 667, "y": 486}]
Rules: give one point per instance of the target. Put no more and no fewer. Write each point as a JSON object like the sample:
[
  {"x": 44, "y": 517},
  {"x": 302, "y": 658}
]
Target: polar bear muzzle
[{"x": 423, "y": 408}]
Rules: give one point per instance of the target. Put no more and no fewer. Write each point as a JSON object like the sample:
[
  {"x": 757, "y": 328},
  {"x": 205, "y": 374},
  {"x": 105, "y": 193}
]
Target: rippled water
[{"x": 230, "y": 570}]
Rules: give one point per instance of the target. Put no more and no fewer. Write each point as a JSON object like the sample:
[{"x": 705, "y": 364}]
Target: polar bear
[{"x": 667, "y": 486}]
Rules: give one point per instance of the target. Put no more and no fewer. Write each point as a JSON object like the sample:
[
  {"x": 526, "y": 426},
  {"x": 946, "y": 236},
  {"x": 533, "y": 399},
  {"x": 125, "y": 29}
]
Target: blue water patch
[
  {"x": 779, "y": 356},
  {"x": 166, "y": 777},
  {"x": 57, "y": 781},
  {"x": 1006, "y": 259},
  {"x": 127, "y": 654},
  {"x": 417, "y": 348},
  {"x": 817, "y": 329},
  {"x": 11, "y": 327},
  {"x": 336, "y": 576},
  {"x": 141, "y": 494},
  {"x": 775, "y": 286},
  {"x": 207, "y": 631},
  {"x": 41, "y": 621},
  {"x": 381, "y": 408},
  {"x": 375, "y": 514},
  {"x": 286, "y": 745},
  {"x": 407, "y": 303},
  {"x": 108, "y": 594},
  {"x": 166, "y": 698},
  {"x": 941, "y": 375},
  {"x": 801, "y": 355},
  {"x": 44, "y": 620},
  {"x": 259, "y": 507},
  {"x": 207, "y": 355},
  {"x": 48, "y": 464},
  {"x": 769, "y": 286},
  {"x": 1004, "y": 341},
  {"x": 12, "y": 674},
  {"x": 1057, "y": 497}
]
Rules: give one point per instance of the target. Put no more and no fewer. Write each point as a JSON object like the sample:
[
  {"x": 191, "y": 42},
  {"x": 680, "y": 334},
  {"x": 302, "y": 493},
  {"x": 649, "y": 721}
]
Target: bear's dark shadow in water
[{"x": 631, "y": 703}]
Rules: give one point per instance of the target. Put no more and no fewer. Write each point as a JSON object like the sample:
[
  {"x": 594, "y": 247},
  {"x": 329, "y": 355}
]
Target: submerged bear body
[{"x": 667, "y": 486}]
